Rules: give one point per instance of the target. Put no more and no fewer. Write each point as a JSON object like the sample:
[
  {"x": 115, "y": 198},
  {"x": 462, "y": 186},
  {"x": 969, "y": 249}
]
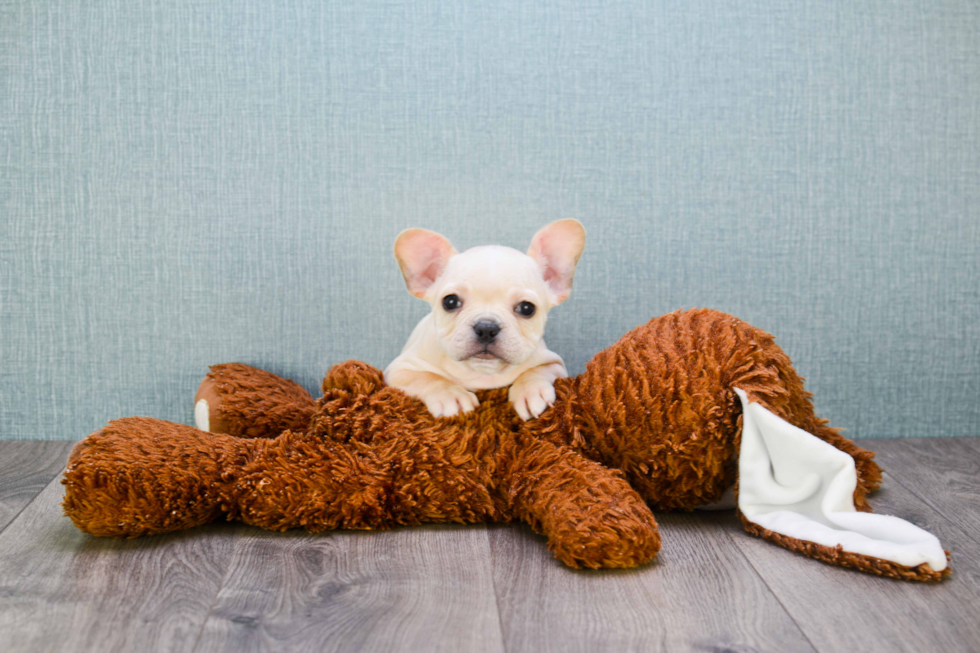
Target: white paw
[
  {"x": 451, "y": 400},
  {"x": 531, "y": 398}
]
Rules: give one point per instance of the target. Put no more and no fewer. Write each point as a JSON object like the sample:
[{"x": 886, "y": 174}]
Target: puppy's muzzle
[{"x": 486, "y": 331}]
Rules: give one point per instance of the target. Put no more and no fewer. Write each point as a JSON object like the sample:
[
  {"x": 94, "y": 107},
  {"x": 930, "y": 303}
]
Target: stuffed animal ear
[
  {"x": 557, "y": 248},
  {"x": 798, "y": 491},
  {"x": 422, "y": 256}
]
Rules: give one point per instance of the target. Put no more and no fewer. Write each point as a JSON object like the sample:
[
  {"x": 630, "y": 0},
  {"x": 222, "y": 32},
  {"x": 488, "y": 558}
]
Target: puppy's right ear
[{"x": 422, "y": 256}]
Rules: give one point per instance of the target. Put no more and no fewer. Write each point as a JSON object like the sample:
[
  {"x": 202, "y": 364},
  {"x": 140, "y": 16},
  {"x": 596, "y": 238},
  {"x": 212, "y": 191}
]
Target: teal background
[{"x": 185, "y": 182}]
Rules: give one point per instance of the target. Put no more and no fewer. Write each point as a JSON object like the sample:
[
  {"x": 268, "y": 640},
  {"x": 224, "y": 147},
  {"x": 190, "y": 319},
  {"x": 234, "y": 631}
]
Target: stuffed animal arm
[{"x": 670, "y": 417}]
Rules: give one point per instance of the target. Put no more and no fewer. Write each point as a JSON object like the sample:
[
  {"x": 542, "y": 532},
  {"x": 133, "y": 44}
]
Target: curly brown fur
[
  {"x": 660, "y": 405},
  {"x": 247, "y": 402},
  {"x": 367, "y": 460},
  {"x": 657, "y": 410},
  {"x": 141, "y": 476}
]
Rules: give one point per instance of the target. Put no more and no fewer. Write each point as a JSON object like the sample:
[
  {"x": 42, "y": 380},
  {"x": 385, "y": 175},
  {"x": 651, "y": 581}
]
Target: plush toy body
[{"x": 655, "y": 420}]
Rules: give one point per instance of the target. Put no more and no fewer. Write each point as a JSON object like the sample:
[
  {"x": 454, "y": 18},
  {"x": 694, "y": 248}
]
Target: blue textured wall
[{"x": 190, "y": 182}]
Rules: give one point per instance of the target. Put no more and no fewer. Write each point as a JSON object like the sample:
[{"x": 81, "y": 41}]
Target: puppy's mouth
[{"x": 485, "y": 355}]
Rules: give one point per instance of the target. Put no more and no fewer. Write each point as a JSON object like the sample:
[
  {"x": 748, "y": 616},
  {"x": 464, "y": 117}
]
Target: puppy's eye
[
  {"x": 451, "y": 302},
  {"x": 525, "y": 308}
]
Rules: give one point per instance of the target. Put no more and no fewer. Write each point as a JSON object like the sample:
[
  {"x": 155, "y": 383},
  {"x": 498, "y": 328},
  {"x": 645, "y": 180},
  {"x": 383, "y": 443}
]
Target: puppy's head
[{"x": 490, "y": 303}]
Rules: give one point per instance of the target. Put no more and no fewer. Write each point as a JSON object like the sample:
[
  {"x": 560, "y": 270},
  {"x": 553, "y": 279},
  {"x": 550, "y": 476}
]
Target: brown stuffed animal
[{"x": 655, "y": 420}]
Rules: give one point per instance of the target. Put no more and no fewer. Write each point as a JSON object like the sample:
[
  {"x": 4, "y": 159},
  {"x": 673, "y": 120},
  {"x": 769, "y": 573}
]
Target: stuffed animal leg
[{"x": 141, "y": 476}]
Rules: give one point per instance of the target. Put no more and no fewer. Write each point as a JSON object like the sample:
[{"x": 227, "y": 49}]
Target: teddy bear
[{"x": 677, "y": 413}]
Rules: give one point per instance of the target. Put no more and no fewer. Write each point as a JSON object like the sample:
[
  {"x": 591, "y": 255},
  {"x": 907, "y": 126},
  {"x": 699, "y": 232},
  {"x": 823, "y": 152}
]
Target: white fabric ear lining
[{"x": 793, "y": 483}]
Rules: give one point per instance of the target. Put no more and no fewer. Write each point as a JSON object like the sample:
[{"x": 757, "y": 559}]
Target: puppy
[{"x": 489, "y": 307}]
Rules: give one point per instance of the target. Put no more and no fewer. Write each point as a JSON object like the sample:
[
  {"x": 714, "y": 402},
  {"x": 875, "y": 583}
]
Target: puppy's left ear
[{"x": 557, "y": 248}]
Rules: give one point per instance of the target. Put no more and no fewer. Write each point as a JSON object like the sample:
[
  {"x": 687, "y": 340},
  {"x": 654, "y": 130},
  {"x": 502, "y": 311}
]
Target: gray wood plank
[
  {"x": 840, "y": 609},
  {"x": 943, "y": 472},
  {"x": 62, "y": 590},
  {"x": 412, "y": 589},
  {"x": 701, "y": 595},
  {"x": 25, "y": 468}
]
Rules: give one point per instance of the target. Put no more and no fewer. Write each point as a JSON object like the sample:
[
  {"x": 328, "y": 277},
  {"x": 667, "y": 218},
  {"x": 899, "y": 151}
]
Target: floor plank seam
[
  {"x": 493, "y": 583},
  {"x": 731, "y": 539},
  {"x": 56, "y": 479},
  {"x": 214, "y": 599}
]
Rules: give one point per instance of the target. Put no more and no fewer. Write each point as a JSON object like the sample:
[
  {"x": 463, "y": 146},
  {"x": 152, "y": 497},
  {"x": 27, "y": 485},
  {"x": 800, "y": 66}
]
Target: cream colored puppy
[{"x": 489, "y": 307}]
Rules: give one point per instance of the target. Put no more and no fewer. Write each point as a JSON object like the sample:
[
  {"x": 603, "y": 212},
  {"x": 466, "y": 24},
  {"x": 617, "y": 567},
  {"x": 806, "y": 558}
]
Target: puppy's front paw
[
  {"x": 531, "y": 397},
  {"x": 450, "y": 400}
]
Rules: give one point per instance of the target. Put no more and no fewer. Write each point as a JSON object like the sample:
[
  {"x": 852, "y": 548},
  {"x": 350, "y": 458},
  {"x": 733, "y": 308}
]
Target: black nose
[{"x": 486, "y": 331}]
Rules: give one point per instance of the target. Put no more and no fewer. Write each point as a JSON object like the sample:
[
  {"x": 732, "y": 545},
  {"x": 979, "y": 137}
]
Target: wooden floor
[{"x": 228, "y": 587}]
